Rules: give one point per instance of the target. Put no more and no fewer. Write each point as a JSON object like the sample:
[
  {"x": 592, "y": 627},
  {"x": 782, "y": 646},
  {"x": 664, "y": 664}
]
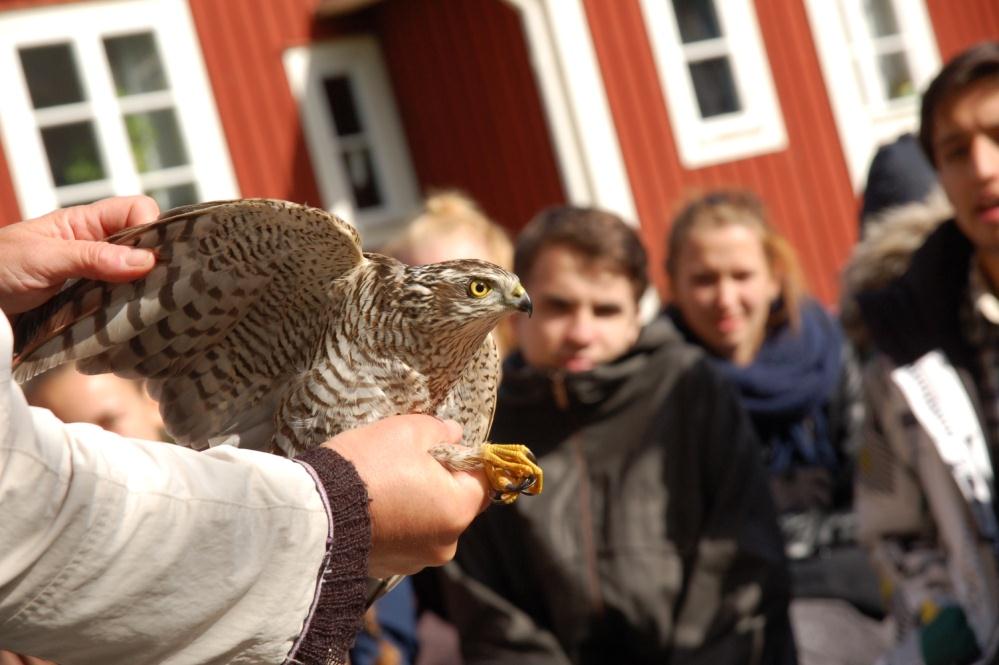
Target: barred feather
[{"x": 264, "y": 325}]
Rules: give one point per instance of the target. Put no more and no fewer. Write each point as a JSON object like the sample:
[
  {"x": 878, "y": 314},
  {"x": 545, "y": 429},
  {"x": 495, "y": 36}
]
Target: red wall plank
[
  {"x": 10, "y": 211},
  {"x": 243, "y": 45},
  {"x": 469, "y": 103},
  {"x": 958, "y": 25}
]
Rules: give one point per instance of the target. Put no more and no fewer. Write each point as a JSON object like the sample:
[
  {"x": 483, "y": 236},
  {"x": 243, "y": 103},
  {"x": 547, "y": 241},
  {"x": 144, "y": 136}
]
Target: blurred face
[
  {"x": 584, "y": 314},
  {"x": 966, "y": 145},
  {"x": 724, "y": 287},
  {"x": 116, "y": 404}
]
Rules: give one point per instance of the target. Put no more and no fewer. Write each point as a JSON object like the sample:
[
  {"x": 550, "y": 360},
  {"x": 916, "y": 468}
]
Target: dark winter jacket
[
  {"x": 920, "y": 311},
  {"x": 655, "y": 539},
  {"x": 802, "y": 394}
]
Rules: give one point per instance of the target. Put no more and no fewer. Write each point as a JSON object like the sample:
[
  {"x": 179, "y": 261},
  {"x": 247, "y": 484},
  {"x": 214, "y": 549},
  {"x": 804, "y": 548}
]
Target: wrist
[{"x": 342, "y": 583}]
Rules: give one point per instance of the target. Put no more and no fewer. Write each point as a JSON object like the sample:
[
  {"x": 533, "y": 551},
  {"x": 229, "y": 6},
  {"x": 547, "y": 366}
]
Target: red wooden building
[{"x": 362, "y": 106}]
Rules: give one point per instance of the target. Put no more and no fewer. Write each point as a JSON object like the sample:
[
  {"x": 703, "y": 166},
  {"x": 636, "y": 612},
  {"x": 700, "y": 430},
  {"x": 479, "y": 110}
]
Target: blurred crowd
[
  {"x": 750, "y": 475},
  {"x": 813, "y": 485}
]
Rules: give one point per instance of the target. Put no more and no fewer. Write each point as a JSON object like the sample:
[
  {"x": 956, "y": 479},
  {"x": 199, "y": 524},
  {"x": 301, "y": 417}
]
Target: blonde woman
[{"x": 738, "y": 293}]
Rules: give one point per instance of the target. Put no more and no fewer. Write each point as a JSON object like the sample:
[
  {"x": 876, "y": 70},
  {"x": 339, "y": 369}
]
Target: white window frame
[
  {"x": 83, "y": 26},
  {"x": 360, "y": 59},
  {"x": 758, "y": 128},
  {"x": 862, "y": 125},
  {"x": 576, "y": 107}
]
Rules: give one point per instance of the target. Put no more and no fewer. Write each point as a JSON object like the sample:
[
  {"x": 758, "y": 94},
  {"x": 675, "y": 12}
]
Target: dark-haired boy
[{"x": 655, "y": 539}]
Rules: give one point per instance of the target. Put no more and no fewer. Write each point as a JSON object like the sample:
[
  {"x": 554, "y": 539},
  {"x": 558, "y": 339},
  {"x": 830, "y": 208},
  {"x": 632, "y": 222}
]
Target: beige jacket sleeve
[{"x": 123, "y": 551}]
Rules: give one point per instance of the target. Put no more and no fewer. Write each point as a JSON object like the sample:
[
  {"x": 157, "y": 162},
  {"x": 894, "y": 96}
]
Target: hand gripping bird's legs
[{"x": 511, "y": 469}]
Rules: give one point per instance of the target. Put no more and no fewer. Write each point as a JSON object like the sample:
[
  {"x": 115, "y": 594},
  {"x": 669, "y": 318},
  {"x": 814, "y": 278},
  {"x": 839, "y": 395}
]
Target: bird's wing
[
  {"x": 239, "y": 297},
  {"x": 472, "y": 400}
]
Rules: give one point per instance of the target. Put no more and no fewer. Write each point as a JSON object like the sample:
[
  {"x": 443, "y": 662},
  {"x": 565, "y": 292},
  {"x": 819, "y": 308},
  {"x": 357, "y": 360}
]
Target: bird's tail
[{"x": 379, "y": 587}]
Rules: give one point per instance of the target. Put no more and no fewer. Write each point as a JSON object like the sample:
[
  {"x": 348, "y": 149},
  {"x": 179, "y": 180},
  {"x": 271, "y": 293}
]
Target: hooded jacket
[
  {"x": 655, "y": 540},
  {"x": 922, "y": 499}
]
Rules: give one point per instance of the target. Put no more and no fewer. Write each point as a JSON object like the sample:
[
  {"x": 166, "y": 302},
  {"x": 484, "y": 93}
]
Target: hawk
[{"x": 264, "y": 325}]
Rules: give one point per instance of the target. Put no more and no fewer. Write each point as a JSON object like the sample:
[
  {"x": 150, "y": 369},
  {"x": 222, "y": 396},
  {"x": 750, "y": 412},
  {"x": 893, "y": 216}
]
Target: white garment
[
  {"x": 922, "y": 499},
  {"x": 121, "y": 551}
]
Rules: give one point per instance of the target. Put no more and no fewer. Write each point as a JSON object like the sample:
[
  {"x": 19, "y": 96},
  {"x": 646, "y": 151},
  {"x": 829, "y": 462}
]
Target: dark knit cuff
[{"x": 338, "y": 609}]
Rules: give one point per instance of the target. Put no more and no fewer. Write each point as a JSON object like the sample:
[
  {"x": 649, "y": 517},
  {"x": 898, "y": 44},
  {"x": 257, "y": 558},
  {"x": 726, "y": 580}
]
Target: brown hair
[
  {"x": 598, "y": 235},
  {"x": 727, "y": 207},
  {"x": 976, "y": 63}
]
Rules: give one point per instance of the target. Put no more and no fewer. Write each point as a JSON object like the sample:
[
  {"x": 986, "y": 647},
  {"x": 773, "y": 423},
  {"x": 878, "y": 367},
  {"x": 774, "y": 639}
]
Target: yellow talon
[{"x": 511, "y": 470}]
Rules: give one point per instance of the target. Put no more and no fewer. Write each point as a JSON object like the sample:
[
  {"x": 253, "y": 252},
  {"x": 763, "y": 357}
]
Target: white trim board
[{"x": 575, "y": 102}]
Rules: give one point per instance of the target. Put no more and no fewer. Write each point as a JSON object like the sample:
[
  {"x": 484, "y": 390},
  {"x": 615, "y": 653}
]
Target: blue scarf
[{"x": 787, "y": 388}]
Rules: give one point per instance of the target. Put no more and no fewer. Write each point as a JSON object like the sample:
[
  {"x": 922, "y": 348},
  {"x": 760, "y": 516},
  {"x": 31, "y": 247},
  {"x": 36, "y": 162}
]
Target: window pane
[
  {"x": 171, "y": 197},
  {"x": 715, "y": 87},
  {"x": 880, "y": 17},
  {"x": 50, "y": 72},
  {"x": 363, "y": 180},
  {"x": 895, "y": 76},
  {"x": 72, "y": 153},
  {"x": 696, "y": 20},
  {"x": 135, "y": 64},
  {"x": 340, "y": 97},
  {"x": 156, "y": 140}
]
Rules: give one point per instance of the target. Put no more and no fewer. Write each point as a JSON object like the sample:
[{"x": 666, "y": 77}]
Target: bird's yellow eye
[{"x": 478, "y": 289}]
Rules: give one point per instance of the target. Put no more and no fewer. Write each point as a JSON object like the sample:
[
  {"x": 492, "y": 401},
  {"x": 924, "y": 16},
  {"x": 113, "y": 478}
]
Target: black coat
[{"x": 655, "y": 539}]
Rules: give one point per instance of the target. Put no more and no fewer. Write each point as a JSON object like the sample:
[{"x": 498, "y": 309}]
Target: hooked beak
[{"x": 523, "y": 301}]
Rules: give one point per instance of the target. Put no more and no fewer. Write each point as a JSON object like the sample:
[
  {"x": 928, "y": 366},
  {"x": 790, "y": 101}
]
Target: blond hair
[
  {"x": 448, "y": 214},
  {"x": 727, "y": 207}
]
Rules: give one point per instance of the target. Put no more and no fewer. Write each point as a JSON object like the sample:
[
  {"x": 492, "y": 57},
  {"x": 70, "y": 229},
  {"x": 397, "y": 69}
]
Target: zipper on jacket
[
  {"x": 587, "y": 531},
  {"x": 559, "y": 392},
  {"x": 561, "y": 396}
]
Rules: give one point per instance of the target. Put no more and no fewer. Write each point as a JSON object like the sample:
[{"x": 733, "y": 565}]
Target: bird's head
[{"x": 474, "y": 294}]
